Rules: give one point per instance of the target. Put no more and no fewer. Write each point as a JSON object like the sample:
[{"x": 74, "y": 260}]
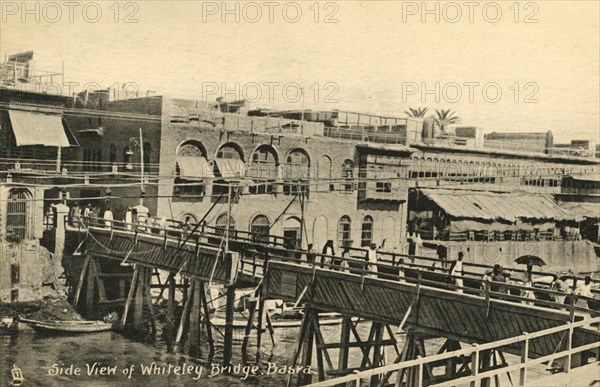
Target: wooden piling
[
  {"x": 81, "y": 279},
  {"x": 229, "y": 309},
  {"x": 195, "y": 311},
  {"x": 132, "y": 287},
  {"x": 138, "y": 310}
]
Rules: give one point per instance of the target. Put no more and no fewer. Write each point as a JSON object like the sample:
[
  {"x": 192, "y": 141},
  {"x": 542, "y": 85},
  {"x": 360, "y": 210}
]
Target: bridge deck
[{"x": 475, "y": 316}]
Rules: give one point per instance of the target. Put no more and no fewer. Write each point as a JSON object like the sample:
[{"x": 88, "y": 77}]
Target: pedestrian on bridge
[
  {"x": 128, "y": 218},
  {"x": 372, "y": 259},
  {"x": 108, "y": 217},
  {"x": 401, "y": 278},
  {"x": 457, "y": 271},
  {"x": 328, "y": 252},
  {"x": 558, "y": 285}
]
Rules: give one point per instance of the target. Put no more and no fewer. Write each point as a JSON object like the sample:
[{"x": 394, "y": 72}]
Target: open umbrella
[{"x": 530, "y": 260}]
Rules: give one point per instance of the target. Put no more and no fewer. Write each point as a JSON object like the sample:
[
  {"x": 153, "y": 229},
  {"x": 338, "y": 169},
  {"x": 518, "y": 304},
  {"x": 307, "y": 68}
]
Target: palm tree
[
  {"x": 445, "y": 118},
  {"x": 416, "y": 113}
]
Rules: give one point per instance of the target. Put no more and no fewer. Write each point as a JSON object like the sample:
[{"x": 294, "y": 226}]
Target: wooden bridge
[{"x": 400, "y": 291}]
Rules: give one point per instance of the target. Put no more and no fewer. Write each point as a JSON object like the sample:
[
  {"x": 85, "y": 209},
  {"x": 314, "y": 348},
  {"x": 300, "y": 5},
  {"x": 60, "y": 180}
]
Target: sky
[{"x": 529, "y": 67}]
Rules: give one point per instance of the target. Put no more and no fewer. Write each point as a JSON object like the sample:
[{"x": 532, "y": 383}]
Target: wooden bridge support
[
  {"x": 229, "y": 309},
  {"x": 311, "y": 345},
  {"x": 141, "y": 298},
  {"x": 90, "y": 295},
  {"x": 194, "y": 322}
]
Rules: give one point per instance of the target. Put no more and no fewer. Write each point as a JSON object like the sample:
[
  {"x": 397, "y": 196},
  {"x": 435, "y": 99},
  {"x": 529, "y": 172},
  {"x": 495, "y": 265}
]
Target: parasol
[{"x": 530, "y": 260}]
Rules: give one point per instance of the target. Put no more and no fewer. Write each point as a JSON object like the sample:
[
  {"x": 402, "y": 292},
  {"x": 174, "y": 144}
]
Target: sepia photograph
[{"x": 300, "y": 193}]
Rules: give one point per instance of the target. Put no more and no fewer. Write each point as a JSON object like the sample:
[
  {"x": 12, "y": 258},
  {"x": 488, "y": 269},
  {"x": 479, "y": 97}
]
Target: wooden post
[
  {"x": 569, "y": 347},
  {"x": 248, "y": 327},
  {"x": 211, "y": 344},
  {"x": 524, "y": 356},
  {"x": 90, "y": 290},
  {"x": 194, "y": 335},
  {"x": 132, "y": 287},
  {"x": 474, "y": 364},
  {"x": 81, "y": 279},
  {"x": 138, "y": 315},
  {"x": 228, "y": 343},
  {"x": 171, "y": 299},
  {"x": 344, "y": 341},
  {"x": 299, "y": 342},
  {"x": 182, "y": 321},
  {"x": 307, "y": 347},
  {"x": 148, "y": 297},
  {"x": 260, "y": 322},
  {"x": 378, "y": 328},
  {"x": 419, "y": 373},
  {"x": 486, "y": 358}
]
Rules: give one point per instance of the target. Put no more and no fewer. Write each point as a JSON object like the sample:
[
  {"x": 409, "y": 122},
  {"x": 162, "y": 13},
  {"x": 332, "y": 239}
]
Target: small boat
[{"x": 77, "y": 326}]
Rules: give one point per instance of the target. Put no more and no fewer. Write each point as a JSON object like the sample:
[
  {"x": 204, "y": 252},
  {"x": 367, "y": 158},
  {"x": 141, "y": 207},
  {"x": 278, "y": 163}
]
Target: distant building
[
  {"x": 529, "y": 142},
  {"x": 34, "y": 140}
]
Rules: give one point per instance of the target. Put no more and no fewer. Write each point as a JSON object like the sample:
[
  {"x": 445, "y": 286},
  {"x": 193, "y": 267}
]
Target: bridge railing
[
  {"x": 475, "y": 353},
  {"x": 401, "y": 267},
  {"x": 423, "y": 275}
]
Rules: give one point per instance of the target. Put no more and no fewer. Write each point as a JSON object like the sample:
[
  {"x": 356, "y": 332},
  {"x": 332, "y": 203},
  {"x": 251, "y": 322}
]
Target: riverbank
[{"x": 47, "y": 309}]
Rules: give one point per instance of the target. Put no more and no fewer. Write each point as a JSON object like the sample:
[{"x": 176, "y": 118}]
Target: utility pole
[{"x": 142, "y": 170}]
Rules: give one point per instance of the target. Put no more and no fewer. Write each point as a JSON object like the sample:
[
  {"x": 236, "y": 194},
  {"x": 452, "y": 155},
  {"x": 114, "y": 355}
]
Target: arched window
[
  {"x": 191, "y": 168},
  {"x": 228, "y": 165},
  {"x": 263, "y": 169},
  {"x": 348, "y": 175},
  {"x": 112, "y": 153},
  {"x": 344, "y": 230},
  {"x": 260, "y": 227},
  {"x": 221, "y": 224},
  {"x": 189, "y": 217},
  {"x": 19, "y": 219},
  {"x": 230, "y": 151},
  {"x": 366, "y": 231},
  {"x": 296, "y": 172},
  {"x": 191, "y": 148},
  {"x": 324, "y": 174}
]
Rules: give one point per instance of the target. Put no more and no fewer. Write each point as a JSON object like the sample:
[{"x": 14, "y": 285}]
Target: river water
[
  {"x": 43, "y": 358},
  {"x": 50, "y": 360}
]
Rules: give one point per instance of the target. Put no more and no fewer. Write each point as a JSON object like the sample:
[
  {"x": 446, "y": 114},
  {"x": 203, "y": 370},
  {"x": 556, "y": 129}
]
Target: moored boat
[{"x": 77, "y": 326}]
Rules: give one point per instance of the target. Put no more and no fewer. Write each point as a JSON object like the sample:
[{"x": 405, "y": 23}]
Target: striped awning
[
  {"x": 194, "y": 168},
  {"x": 491, "y": 206},
  {"x": 230, "y": 168},
  {"x": 35, "y": 128}
]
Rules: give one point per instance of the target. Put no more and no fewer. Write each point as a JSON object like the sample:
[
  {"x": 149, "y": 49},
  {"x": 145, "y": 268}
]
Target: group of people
[
  {"x": 500, "y": 280},
  {"x": 339, "y": 259},
  {"x": 83, "y": 214}
]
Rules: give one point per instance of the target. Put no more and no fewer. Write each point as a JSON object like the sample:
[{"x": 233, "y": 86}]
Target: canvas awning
[
  {"x": 230, "y": 168},
  {"x": 586, "y": 210},
  {"x": 35, "y": 128},
  {"x": 491, "y": 206},
  {"x": 194, "y": 168}
]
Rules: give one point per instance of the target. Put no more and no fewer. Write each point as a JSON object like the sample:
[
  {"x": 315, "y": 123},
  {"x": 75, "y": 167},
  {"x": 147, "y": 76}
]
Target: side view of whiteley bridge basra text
[{"x": 156, "y": 238}]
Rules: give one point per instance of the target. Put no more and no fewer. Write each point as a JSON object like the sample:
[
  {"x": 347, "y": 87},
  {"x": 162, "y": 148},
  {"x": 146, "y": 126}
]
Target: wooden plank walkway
[{"x": 433, "y": 308}]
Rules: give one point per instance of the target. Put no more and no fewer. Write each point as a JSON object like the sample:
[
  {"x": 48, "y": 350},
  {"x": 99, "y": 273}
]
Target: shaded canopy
[{"x": 491, "y": 206}]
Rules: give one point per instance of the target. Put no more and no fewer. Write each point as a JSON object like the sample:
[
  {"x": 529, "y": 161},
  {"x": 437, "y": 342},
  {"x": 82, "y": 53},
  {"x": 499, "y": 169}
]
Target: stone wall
[{"x": 559, "y": 256}]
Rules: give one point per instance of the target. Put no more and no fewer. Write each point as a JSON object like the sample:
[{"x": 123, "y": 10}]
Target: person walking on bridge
[
  {"x": 372, "y": 259},
  {"x": 456, "y": 271}
]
